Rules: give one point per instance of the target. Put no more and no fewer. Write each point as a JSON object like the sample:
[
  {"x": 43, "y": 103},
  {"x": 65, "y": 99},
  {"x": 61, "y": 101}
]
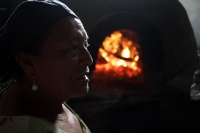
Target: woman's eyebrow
[{"x": 81, "y": 39}]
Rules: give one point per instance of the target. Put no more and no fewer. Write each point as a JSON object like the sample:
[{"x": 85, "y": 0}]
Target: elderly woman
[{"x": 44, "y": 50}]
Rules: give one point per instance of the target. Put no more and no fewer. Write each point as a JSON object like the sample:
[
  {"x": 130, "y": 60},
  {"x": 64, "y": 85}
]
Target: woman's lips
[{"x": 83, "y": 78}]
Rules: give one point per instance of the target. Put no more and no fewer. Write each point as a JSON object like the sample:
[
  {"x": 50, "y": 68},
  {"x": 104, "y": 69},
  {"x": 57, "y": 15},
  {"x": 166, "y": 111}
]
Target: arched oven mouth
[{"x": 125, "y": 49}]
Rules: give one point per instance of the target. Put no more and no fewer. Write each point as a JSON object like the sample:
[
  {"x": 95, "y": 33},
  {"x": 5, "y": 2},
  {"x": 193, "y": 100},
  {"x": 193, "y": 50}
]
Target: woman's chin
[
  {"x": 80, "y": 91},
  {"x": 84, "y": 90}
]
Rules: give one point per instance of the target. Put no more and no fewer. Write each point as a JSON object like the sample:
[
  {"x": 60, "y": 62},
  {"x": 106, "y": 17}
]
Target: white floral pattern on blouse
[
  {"x": 29, "y": 124},
  {"x": 26, "y": 124}
]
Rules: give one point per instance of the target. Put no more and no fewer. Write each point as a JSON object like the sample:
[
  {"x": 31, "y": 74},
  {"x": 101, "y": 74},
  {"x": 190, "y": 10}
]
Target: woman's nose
[
  {"x": 90, "y": 60},
  {"x": 87, "y": 57}
]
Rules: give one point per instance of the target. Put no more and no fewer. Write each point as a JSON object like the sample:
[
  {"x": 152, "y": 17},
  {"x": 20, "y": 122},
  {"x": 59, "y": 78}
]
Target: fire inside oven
[
  {"x": 125, "y": 54},
  {"x": 118, "y": 60}
]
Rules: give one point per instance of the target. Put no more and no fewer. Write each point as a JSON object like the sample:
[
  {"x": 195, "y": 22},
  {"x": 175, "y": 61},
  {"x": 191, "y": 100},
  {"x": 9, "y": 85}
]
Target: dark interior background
[{"x": 167, "y": 108}]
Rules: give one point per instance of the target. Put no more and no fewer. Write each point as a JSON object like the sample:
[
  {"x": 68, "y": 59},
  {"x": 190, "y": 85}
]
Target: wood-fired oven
[{"x": 139, "y": 47}]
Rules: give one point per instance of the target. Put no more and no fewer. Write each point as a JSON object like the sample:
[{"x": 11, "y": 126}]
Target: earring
[{"x": 34, "y": 87}]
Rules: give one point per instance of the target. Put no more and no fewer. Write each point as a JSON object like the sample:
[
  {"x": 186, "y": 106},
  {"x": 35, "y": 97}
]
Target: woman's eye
[
  {"x": 73, "y": 51},
  {"x": 74, "y": 47}
]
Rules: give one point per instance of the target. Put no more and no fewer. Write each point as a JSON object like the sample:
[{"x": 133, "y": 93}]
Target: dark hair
[
  {"x": 25, "y": 30},
  {"x": 33, "y": 48},
  {"x": 16, "y": 72}
]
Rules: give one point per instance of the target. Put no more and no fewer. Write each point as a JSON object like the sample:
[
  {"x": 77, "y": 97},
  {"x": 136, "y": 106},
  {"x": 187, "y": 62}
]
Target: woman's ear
[{"x": 25, "y": 61}]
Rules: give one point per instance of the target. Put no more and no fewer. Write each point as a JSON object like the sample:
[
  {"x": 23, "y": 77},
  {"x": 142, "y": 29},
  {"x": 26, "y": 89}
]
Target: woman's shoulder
[
  {"x": 26, "y": 124},
  {"x": 84, "y": 127},
  {"x": 31, "y": 124}
]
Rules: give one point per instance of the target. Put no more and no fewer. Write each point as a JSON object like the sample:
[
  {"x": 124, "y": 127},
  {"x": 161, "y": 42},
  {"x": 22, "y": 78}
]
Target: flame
[
  {"x": 121, "y": 55},
  {"x": 125, "y": 53}
]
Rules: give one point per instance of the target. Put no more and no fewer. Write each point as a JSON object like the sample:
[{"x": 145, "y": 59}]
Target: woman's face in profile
[{"x": 62, "y": 66}]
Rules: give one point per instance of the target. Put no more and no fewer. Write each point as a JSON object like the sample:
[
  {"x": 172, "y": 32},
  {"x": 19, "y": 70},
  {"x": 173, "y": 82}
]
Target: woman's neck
[{"x": 18, "y": 100}]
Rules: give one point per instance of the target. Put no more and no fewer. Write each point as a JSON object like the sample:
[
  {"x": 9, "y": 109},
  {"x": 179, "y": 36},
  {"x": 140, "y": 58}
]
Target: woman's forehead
[
  {"x": 65, "y": 32},
  {"x": 67, "y": 27},
  {"x": 67, "y": 23}
]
